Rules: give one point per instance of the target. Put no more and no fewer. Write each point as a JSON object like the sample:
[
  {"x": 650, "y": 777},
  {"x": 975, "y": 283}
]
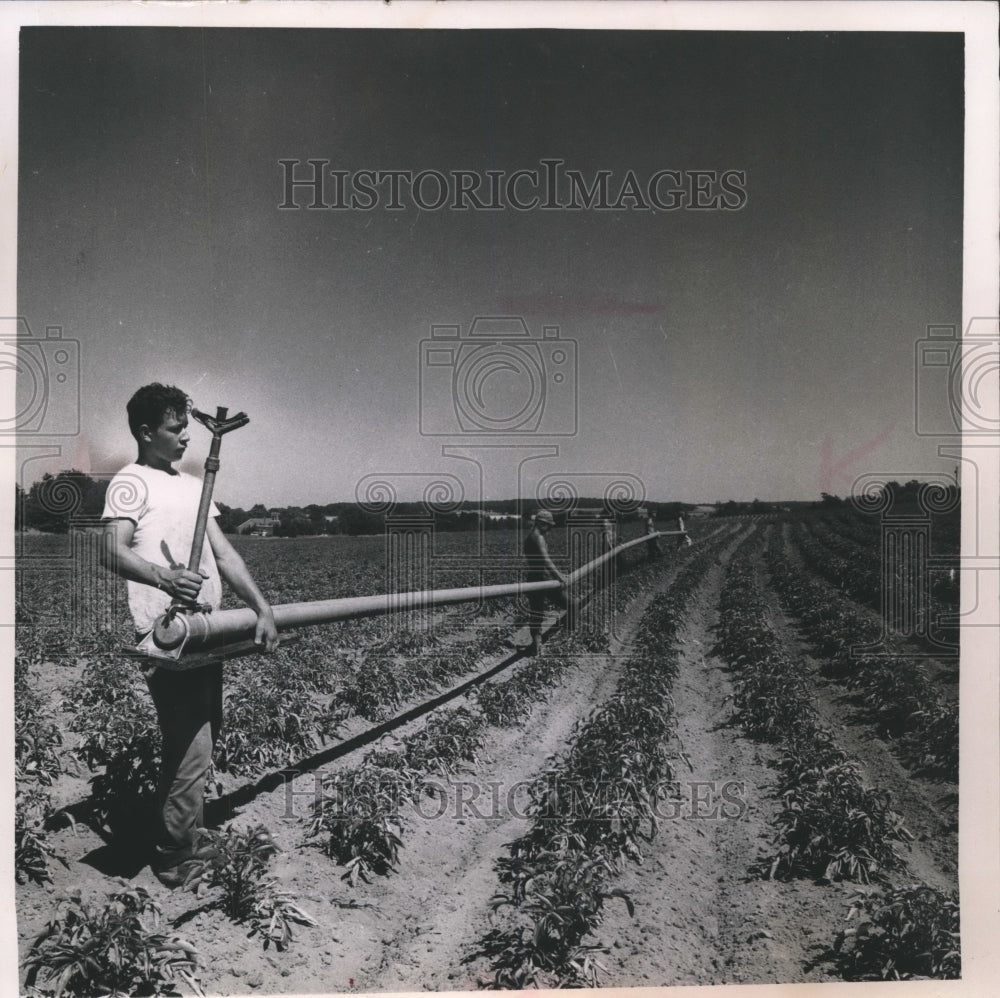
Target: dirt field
[{"x": 701, "y": 916}]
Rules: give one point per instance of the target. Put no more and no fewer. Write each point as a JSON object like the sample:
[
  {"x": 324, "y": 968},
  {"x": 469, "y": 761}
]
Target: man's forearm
[
  {"x": 550, "y": 566},
  {"x": 126, "y": 563}
]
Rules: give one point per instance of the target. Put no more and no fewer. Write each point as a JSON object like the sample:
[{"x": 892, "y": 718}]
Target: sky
[{"x": 763, "y": 347}]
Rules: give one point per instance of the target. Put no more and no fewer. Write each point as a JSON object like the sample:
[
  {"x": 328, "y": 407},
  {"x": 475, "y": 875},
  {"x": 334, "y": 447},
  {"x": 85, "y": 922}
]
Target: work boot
[
  {"x": 177, "y": 875},
  {"x": 172, "y": 867}
]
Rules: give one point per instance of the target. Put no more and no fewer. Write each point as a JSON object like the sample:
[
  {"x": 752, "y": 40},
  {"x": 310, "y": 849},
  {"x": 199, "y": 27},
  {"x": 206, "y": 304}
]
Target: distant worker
[
  {"x": 608, "y": 542},
  {"x": 683, "y": 540},
  {"x": 539, "y": 567},
  {"x": 607, "y": 532},
  {"x": 653, "y": 544}
]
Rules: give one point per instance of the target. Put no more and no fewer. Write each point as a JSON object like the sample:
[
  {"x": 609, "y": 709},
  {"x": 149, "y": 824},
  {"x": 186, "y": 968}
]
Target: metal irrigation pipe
[{"x": 180, "y": 641}]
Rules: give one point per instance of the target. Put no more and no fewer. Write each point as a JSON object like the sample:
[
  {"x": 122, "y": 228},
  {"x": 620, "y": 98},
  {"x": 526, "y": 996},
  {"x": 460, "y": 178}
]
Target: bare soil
[{"x": 702, "y": 915}]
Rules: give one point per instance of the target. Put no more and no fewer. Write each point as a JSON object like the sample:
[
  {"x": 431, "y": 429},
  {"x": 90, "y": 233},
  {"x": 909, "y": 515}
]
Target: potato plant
[
  {"x": 237, "y": 873},
  {"x": 592, "y": 808},
  {"x": 117, "y": 949},
  {"x": 32, "y": 848},
  {"x": 445, "y": 741},
  {"x": 359, "y": 819},
  {"x": 382, "y": 683},
  {"x": 897, "y": 693},
  {"x": 770, "y": 694},
  {"x": 37, "y": 738},
  {"x": 831, "y": 826},
  {"x": 38, "y": 760},
  {"x": 857, "y": 572},
  {"x": 120, "y": 738},
  {"x": 271, "y": 720},
  {"x": 387, "y": 677},
  {"x": 563, "y": 896},
  {"x": 853, "y": 573},
  {"x": 505, "y": 704},
  {"x": 901, "y": 935}
]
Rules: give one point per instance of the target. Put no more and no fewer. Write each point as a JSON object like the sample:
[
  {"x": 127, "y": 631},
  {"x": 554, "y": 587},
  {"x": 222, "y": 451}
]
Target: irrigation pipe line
[{"x": 182, "y": 641}]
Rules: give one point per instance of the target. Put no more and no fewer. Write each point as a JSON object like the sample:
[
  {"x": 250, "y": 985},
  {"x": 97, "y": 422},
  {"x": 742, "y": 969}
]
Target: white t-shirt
[{"x": 163, "y": 506}]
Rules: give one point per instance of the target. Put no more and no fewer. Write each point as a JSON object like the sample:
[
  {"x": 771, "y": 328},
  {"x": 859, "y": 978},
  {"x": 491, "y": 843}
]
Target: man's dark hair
[{"x": 151, "y": 403}]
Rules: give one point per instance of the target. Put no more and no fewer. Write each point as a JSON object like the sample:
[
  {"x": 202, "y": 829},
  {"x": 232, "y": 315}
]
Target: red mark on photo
[{"x": 830, "y": 470}]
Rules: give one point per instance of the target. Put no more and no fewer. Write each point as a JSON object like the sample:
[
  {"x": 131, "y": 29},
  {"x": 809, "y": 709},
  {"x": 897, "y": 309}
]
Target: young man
[
  {"x": 684, "y": 540},
  {"x": 150, "y": 513},
  {"x": 608, "y": 543},
  {"x": 539, "y": 567},
  {"x": 607, "y": 532},
  {"x": 653, "y": 544}
]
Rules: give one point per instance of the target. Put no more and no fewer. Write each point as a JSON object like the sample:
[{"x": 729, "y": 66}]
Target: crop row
[
  {"x": 360, "y": 821},
  {"x": 119, "y": 948},
  {"x": 639, "y": 577},
  {"x": 831, "y": 825},
  {"x": 277, "y": 710},
  {"x": 38, "y": 761},
  {"x": 943, "y": 587},
  {"x": 359, "y": 818},
  {"x": 897, "y": 693},
  {"x": 592, "y": 808},
  {"x": 380, "y": 684},
  {"x": 386, "y": 676},
  {"x": 867, "y": 529},
  {"x": 859, "y": 574},
  {"x": 866, "y": 532}
]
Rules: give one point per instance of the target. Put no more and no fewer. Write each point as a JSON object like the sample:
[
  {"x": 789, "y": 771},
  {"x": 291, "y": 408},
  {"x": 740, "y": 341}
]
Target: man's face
[{"x": 170, "y": 439}]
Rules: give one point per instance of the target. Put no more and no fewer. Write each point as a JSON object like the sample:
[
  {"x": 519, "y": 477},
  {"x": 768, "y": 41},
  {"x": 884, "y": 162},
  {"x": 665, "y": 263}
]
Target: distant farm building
[
  {"x": 499, "y": 517},
  {"x": 258, "y": 526}
]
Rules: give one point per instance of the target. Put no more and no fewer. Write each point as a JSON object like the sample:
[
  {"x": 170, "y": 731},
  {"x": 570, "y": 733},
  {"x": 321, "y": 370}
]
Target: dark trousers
[
  {"x": 189, "y": 709},
  {"x": 536, "y": 607}
]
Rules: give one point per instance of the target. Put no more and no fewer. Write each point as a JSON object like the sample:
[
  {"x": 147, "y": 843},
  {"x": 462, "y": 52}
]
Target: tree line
[{"x": 56, "y": 500}]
